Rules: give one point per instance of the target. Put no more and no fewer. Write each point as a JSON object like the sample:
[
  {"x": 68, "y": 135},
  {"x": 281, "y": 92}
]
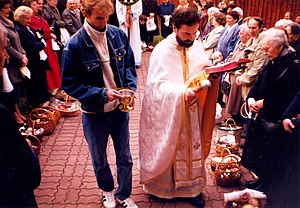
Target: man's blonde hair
[{"x": 100, "y": 5}]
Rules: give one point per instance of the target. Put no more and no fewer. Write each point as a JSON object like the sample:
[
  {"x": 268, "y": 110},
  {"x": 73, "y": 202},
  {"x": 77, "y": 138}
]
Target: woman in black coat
[
  {"x": 150, "y": 9},
  {"x": 276, "y": 86},
  {"x": 286, "y": 182},
  {"x": 20, "y": 170},
  {"x": 36, "y": 86}
]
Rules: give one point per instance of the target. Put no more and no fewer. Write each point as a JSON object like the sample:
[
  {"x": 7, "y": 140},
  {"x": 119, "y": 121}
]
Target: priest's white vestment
[
  {"x": 134, "y": 30},
  {"x": 174, "y": 137}
]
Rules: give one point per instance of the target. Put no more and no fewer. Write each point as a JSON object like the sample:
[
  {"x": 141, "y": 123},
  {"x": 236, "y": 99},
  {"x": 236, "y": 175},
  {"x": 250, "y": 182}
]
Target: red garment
[{"x": 54, "y": 74}]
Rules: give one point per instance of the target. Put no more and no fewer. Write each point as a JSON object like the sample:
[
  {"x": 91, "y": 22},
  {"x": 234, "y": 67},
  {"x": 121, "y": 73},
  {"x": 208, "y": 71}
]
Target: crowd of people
[{"x": 90, "y": 48}]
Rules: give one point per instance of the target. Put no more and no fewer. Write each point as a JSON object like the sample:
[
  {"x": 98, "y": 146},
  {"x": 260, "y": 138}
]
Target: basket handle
[
  {"x": 67, "y": 101},
  {"x": 230, "y": 120},
  {"x": 33, "y": 136},
  {"x": 36, "y": 110},
  {"x": 237, "y": 158},
  {"x": 40, "y": 109},
  {"x": 244, "y": 111},
  {"x": 35, "y": 148},
  {"x": 223, "y": 151}
]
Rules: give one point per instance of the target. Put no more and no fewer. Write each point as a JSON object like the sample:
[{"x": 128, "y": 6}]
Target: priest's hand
[{"x": 191, "y": 94}]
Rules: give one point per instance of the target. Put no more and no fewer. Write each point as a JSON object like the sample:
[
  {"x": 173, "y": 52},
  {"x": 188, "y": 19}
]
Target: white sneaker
[
  {"x": 127, "y": 203},
  {"x": 108, "y": 199}
]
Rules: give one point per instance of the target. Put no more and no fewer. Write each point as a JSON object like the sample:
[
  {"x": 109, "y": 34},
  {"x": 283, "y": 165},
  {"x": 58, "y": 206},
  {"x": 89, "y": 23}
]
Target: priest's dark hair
[{"x": 185, "y": 16}]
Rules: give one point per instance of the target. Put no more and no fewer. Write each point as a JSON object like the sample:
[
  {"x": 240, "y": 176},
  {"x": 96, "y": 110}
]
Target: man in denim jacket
[{"x": 96, "y": 61}]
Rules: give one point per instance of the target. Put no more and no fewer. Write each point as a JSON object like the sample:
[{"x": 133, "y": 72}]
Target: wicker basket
[
  {"x": 230, "y": 127},
  {"x": 67, "y": 108},
  {"x": 228, "y": 171},
  {"x": 42, "y": 118},
  {"x": 217, "y": 159},
  {"x": 35, "y": 143},
  {"x": 233, "y": 148}
]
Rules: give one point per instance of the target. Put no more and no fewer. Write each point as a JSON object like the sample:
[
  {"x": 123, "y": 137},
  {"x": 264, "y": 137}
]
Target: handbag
[
  {"x": 225, "y": 84},
  {"x": 270, "y": 126}
]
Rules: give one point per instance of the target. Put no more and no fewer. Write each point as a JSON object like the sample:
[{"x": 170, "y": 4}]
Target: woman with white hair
[
  {"x": 36, "y": 86},
  {"x": 210, "y": 25},
  {"x": 282, "y": 23},
  {"x": 274, "y": 89}
]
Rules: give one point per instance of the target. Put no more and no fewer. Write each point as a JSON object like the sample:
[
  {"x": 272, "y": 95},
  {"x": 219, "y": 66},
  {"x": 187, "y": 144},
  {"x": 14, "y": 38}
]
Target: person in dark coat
[
  {"x": 71, "y": 17},
  {"x": 113, "y": 18},
  {"x": 150, "y": 9},
  {"x": 286, "y": 183},
  {"x": 165, "y": 11},
  {"x": 20, "y": 170},
  {"x": 275, "y": 88},
  {"x": 293, "y": 32},
  {"x": 36, "y": 86},
  {"x": 54, "y": 19},
  {"x": 18, "y": 59}
]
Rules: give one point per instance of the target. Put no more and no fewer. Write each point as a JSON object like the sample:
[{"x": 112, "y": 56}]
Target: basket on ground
[
  {"x": 228, "y": 171},
  {"x": 230, "y": 163},
  {"x": 67, "y": 108},
  {"x": 42, "y": 118},
  {"x": 231, "y": 127},
  {"x": 227, "y": 141},
  {"x": 35, "y": 143}
]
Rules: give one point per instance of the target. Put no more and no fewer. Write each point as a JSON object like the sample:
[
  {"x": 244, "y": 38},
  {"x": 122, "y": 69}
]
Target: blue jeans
[{"x": 97, "y": 128}]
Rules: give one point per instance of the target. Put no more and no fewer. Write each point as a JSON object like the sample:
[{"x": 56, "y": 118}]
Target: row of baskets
[
  {"x": 42, "y": 121},
  {"x": 226, "y": 164}
]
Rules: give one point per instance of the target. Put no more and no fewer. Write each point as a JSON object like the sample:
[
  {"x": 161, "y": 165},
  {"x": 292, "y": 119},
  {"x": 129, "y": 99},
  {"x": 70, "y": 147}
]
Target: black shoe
[
  {"x": 253, "y": 184},
  {"x": 197, "y": 201}
]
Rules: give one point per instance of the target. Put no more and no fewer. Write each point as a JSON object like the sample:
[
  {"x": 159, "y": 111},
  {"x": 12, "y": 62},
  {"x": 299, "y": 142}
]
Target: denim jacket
[{"x": 82, "y": 75}]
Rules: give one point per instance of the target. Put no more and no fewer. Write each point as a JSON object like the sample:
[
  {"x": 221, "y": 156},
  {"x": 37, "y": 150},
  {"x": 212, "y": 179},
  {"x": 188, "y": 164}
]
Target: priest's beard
[{"x": 184, "y": 43}]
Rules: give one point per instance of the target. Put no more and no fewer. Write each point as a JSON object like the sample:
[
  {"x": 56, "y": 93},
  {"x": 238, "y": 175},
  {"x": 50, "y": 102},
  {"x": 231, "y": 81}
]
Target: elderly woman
[
  {"x": 229, "y": 36},
  {"x": 36, "y": 86},
  {"x": 274, "y": 89},
  {"x": 234, "y": 100},
  {"x": 209, "y": 25},
  {"x": 211, "y": 40},
  {"x": 17, "y": 60},
  {"x": 39, "y": 23}
]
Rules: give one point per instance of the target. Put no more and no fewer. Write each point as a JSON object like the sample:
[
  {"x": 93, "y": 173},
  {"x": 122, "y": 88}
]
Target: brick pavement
[{"x": 67, "y": 174}]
